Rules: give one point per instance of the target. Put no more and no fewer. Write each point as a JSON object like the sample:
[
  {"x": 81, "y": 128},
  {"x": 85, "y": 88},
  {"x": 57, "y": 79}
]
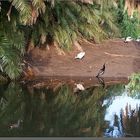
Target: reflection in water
[
  {"x": 123, "y": 117},
  {"x": 101, "y": 81},
  {"x": 59, "y": 111}
]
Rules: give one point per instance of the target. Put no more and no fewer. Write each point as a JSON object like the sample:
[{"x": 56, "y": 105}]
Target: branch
[{"x": 9, "y": 12}]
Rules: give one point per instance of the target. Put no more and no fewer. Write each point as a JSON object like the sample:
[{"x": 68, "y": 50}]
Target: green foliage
[
  {"x": 24, "y": 8},
  {"x": 134, "y": 85},
  {"x": 45, "y": 22},
  {"x": 11, "y": 45},
  {"x": 55, "y": 111},
  {"x": 67, "y": 20},
  {"x": 3, "y": 79},
  {"x": 52, "y": 113},
  {"x": 129, "y": 25},
  {"x": 10, "y": 58}
]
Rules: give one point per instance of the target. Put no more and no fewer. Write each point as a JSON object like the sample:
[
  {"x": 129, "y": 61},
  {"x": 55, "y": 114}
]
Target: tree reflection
[
  {"x": 53, "y": 111},
  {"x": 131, "y": 121},
  {"x": 58, "y": 111},
  {"x": 134, "y": 85},
  {"x": 127, "y": 124}
]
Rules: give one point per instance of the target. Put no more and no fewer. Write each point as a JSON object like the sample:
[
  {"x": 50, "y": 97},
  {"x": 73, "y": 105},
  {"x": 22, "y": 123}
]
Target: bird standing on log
[{"x": 101, "y": 71}]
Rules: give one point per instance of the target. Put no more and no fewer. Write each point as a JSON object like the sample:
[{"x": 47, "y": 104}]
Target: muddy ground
[{"x": 122, "y": 59}]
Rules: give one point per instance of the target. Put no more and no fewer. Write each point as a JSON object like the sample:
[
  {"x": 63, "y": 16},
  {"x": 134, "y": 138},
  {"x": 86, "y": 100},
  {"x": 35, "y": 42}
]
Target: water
[{"x": 58, "y": 111}]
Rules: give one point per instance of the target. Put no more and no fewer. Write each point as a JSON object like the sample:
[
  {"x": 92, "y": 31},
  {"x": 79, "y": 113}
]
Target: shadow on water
[{"x": 58, "y": 111}]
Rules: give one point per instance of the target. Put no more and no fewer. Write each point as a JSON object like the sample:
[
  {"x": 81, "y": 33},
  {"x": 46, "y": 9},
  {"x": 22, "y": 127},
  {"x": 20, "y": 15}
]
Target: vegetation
[
  {"x": 134, "y": 85},
  {"x": 129, "y": 24},
  {"x": 126, "y": 121},
  {"x": 60, "y": 112},
  {"x": 11, "y": 43},
  {"x": 26, "y": 24},
  {"x": 49, "y": 112}
]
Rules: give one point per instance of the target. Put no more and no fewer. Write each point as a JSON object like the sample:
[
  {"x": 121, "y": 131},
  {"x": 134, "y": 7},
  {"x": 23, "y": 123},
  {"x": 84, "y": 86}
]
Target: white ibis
[
  {"x": 138, "y": 39},
  {"x": 101, "y": 71},
  {"x": 128, "y": 39},
  {"x": 80, "y": 55}
]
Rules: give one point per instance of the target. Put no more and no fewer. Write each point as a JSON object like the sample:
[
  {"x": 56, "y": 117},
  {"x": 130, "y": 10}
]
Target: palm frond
[
  {"x": 24, "y": 8},
  {"x": 10, "y": 58},
  {"x": 39, "y": 5}
]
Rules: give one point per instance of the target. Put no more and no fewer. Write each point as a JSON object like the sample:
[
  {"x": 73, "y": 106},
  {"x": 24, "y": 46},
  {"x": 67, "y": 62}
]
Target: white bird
[
  {"x": 138, "y": 39},
  {"x": 80, "y": 87},
  {"x": 128, "y": 39},
  {"x": 80, "y": 55}
]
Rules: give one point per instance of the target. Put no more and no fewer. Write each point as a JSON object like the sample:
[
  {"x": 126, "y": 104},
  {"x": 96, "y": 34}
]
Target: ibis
[
  {"x": 80, "y": 55},
  {"x": 138, "y": 39},
  {"x": 128, "y": 39}
]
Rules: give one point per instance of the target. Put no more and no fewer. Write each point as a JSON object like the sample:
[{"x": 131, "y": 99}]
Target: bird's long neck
[{"x": 104, "y": 67}]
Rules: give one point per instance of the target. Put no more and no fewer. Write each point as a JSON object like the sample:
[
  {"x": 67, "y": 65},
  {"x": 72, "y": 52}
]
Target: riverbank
[{"x": 122, "y": 59}]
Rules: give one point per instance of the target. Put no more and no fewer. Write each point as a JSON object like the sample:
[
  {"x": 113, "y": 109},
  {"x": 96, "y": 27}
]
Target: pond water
[{"x": 59, "y": 111}]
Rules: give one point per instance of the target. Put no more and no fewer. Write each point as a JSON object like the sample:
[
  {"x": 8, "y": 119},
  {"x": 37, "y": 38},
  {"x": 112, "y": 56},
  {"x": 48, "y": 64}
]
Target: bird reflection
[{"x": 101, "y": 81}]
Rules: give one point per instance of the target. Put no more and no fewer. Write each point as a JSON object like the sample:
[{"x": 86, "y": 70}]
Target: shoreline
[
  {"x": 52, "y": 81},
  {"x": 122, "y": 61}
]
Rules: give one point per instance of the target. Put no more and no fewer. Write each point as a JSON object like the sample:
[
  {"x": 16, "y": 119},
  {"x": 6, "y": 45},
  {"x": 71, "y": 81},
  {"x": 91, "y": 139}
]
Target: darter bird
[{"x": 101, "y": 71}]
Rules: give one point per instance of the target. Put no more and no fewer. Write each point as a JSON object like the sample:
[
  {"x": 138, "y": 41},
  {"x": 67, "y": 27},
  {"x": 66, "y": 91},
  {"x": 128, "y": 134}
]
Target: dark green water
[{"x": 51, "y": 112}]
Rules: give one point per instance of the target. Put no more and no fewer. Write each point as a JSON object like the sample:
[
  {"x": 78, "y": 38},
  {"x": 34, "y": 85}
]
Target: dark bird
[{"x": 101, "y": 71}]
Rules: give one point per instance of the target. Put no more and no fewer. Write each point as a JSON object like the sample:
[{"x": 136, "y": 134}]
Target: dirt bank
[{"x": 122, "y": 59}]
